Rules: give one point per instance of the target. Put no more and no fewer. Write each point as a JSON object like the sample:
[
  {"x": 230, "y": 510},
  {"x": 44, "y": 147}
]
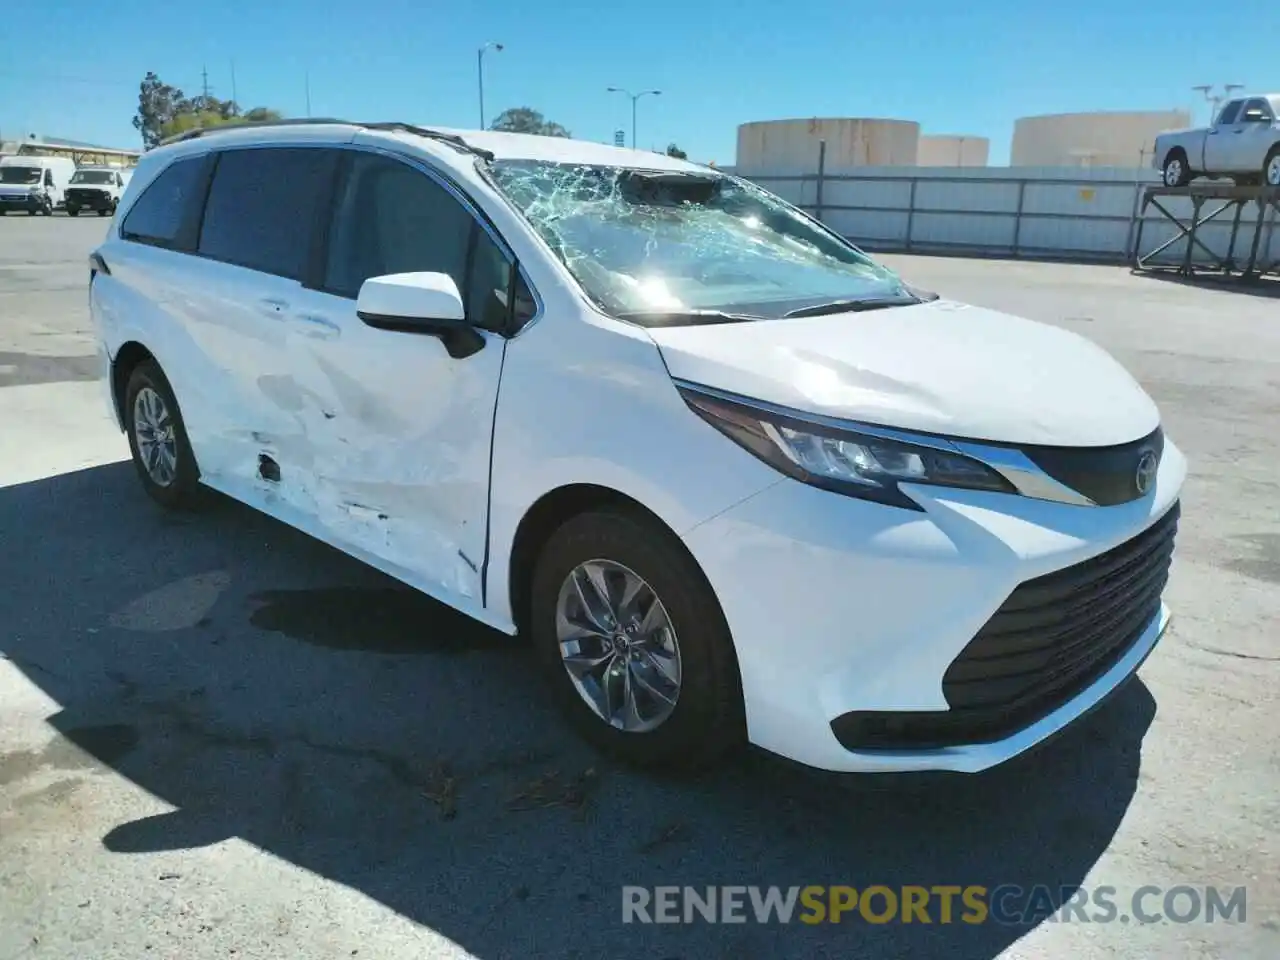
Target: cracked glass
[{"x": 662, "y": 247}]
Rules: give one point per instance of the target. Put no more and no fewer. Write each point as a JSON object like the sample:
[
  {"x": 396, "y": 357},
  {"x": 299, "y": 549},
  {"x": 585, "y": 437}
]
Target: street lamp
[
  {"x": 480, "y": 73},
  {"x": 634, "y": 97}
]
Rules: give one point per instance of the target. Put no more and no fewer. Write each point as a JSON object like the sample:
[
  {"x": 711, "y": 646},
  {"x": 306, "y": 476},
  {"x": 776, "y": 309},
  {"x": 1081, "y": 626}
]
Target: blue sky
[{"x": 954, "y": 67}]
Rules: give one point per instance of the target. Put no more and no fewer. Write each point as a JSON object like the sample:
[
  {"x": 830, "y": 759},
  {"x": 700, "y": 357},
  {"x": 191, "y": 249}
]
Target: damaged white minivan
[{"x": 736, "y": 481}]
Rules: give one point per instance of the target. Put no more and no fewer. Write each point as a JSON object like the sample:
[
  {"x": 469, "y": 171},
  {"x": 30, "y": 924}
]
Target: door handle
[
  {"x": 273, "y": 307},
  {"x": 317, "y": 328}
]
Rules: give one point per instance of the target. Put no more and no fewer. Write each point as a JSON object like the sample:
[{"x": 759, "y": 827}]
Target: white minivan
[
  {"x": 734, "y": 480},
  {"x": 34, "y": 184}
]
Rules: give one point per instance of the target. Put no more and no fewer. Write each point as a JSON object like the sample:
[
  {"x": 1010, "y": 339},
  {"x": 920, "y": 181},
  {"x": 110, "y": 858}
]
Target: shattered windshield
[
  {"x": 19, "y": 174},
  {"x": 648, "y": 244},
  {"x": 93, "y": 176}
]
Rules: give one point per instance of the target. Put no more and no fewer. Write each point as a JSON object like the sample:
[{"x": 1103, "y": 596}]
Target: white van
[
  {"x": 34, "y": 184},
  {"x": 96, "y": 188},
  {"x": 732, "y": 478}
]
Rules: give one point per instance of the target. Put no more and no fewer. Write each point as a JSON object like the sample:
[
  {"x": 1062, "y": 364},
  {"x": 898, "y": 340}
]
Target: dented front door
[
  {"x": 399, "y": 436},
  {"x": 398, "y": 431}
]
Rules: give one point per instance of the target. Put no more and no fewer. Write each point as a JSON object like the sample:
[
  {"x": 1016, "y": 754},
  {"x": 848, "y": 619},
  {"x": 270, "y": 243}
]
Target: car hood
[{"x": 939, "y": 367}]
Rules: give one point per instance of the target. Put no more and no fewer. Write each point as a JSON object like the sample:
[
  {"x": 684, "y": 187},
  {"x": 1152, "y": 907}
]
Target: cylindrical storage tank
[
  {"x": 953, "y": 150},
  {"x": 1108, "y": 139},
  {"x": 790, "y": 147}
]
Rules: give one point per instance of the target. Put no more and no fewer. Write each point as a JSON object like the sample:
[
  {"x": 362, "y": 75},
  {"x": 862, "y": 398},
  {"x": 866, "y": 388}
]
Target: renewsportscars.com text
[{"x": 938, "y": 904}]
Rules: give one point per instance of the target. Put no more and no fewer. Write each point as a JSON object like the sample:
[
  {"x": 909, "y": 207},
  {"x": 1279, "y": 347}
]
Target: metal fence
[{"x": 1013, "y": 212}]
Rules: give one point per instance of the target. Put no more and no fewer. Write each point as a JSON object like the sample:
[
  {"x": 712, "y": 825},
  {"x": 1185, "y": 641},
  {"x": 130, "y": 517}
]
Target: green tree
[
  {"x": 158, "y": 103},
  {"x": 527, "y": 120},
  {"x": 674, "y": 151}
]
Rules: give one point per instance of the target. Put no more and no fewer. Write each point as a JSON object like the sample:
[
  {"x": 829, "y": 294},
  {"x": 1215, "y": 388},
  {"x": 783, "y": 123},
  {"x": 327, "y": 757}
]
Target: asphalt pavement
[{"x": 220, "y": 738}]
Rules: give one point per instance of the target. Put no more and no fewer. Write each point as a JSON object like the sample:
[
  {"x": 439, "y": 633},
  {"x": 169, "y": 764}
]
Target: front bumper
[
  {"x": 839, "y": 606},
  {"x": 89, "y": 199},
  {"x": 22, "y": 201}
]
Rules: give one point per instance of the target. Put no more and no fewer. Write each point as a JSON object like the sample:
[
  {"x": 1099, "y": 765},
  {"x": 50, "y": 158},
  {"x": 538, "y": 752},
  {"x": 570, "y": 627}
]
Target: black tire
[
  {"x": 47, "y": 209},
  {"x": 1269, "y": 177},
  {"x": 183, "y": 492},
  {"x": 73, "y": 211},
  {"x": 103, "y": 211},
  {"x": 707, "y": 720},
  {"x": 1183, "y": 174}
]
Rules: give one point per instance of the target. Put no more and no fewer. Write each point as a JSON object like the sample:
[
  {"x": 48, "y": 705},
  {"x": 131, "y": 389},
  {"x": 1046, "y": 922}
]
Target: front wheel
[
  {"x": 1271, "y": 168},
  {"x": 158, "y": 439},
  {"x": 634, "y": 643},
  {"x": 1176, "y": 171}
]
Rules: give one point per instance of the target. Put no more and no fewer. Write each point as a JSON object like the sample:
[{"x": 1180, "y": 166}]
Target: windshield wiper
[
  {"x": 852, "y": 306},
  {"x": 684, "y": 318}
]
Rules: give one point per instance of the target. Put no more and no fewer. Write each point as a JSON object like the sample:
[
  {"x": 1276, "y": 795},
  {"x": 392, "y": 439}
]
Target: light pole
[
  {"x": 480, "y": 73},
  {"x": 634, "y": 97}
]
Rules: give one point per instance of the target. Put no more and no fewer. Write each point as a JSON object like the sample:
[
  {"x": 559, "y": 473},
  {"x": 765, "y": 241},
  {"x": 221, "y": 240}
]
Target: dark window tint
[
  {"x": 158, "y": 215},
  {"x": 1229, "y": 113},
  {"x": 262, "y": 207},
  {"x": 1256, "y": 111},
  {"x": 391, "y": 218}
]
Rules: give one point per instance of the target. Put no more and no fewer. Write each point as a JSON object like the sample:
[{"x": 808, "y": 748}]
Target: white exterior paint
[
  {"x": 791, "y": 146},
  {"x": 952, "y": 150},
  {"x": 421, "y": 464},
  {"x": 52, "y": 176},
  {"x": 1103, "y": 139}
]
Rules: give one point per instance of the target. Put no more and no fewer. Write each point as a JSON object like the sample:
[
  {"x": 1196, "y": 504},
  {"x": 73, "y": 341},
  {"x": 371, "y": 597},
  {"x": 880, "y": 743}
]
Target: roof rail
[{"x": 452, "y": 139}]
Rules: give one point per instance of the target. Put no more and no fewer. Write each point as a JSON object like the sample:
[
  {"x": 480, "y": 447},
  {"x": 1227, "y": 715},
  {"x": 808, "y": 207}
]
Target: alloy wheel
[
  {"x": 153, "y": 431},
  {"x": 618, "y": 645}
]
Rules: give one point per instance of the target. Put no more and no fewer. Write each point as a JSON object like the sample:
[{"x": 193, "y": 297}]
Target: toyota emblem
[{"x": 1145, "y": 475}]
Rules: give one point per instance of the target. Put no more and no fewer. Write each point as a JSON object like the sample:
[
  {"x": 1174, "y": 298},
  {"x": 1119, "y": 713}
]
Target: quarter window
[
  {"x": 166, "y": 205},
  {"x": 262, "y": 206}
]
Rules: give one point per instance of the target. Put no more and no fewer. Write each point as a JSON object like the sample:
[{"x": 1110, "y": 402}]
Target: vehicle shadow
[
  {"x": 276, "y": 691},
  {"x": 1266, "y": 287}
]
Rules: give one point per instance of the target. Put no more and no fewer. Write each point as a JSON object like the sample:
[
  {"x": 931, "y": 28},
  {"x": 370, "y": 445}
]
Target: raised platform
[{"x": 1227, "y": 198}]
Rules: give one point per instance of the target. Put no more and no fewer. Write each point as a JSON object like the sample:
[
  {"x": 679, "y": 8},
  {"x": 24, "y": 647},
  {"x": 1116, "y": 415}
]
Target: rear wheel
[
  {"x": 73, "y": 211},
  {"x": 634, "y": 643},
  {"x": 1271, "y": 168},
  {"x": 158, "y": 439}
]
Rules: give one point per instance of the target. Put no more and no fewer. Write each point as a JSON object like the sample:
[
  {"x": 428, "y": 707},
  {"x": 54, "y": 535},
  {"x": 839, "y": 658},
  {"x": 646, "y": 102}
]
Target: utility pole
[
  {"x": 306, "y": 79},
  {"x": 480, "y": 73},
  {"x": 234, "y": 99},
  {"x": 204, "y": 82},
  {"x": 634, "y": 97}
]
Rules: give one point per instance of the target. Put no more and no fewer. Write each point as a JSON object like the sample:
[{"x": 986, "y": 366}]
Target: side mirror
[{"x": 424, "y": 303}]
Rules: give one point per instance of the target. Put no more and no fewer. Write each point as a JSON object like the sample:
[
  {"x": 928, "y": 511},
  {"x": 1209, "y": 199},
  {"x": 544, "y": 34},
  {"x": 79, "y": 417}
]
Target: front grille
[
  {"x": 86, "y": 196},
  {"x": 1106, "y": 475},
  {"x": 1049, "y": 640}
]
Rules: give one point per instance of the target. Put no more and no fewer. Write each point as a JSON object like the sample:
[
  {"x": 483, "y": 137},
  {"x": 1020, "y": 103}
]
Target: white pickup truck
[{"x": 1243, "y": 144}]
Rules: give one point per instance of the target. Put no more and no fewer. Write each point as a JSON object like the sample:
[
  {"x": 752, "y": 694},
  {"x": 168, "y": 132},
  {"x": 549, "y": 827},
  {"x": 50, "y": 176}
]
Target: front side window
[
  {"x": 167, "y": 205},
  {"x": 393, "y": 218},
  {"x": 656, "y": 246},
  {"x": 22, "y": 176},
  {"x": 94, "y": 176},
  {"x": 1229, "y": 113},
  {"x": 262, "y": 207}
]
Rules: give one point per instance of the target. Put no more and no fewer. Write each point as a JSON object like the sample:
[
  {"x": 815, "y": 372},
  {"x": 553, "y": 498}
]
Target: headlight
[{"x": 843, "y": 460}]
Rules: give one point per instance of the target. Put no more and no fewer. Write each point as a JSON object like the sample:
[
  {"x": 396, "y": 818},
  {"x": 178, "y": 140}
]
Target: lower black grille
[
  {"x": 1049, "y": 640},
  {"x": 86, "y": 196}
]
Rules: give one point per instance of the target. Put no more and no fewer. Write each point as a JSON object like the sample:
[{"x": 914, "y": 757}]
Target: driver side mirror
[{"x": 423, "y": 303}]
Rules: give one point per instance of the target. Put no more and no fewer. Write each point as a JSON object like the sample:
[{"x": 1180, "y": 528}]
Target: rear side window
[
  {"x": 167, "y": 205},
  {"x": 262, "y": 207}
]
